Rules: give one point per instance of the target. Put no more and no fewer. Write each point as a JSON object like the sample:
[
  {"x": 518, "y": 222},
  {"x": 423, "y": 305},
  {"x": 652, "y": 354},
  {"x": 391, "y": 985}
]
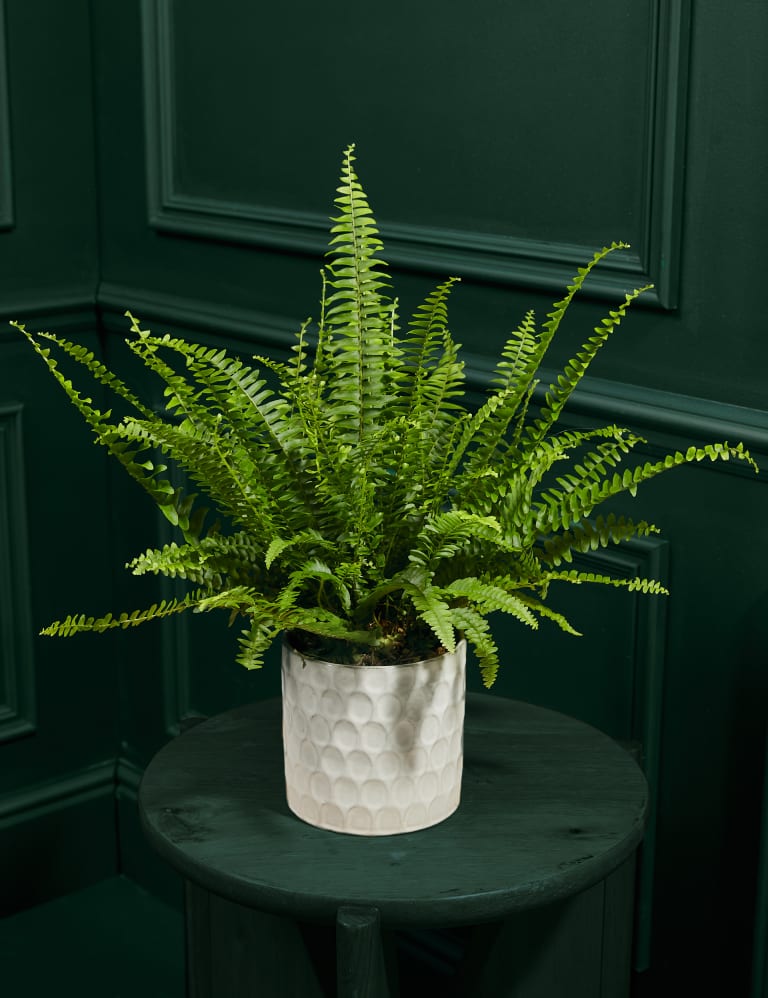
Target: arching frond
[
  {"x": 651, "y": 586},
  {"x": 359, "y": 498},
  {"x": 77, "y": 624},
  {"x": 591, "y": 535},
  {"x": 559, "y": 509},
  {"x": 576, "y": 368}
]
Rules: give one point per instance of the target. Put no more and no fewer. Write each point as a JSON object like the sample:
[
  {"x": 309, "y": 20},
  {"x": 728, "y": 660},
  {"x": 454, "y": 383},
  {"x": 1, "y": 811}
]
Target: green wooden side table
[{"x": 539, "y": 860}]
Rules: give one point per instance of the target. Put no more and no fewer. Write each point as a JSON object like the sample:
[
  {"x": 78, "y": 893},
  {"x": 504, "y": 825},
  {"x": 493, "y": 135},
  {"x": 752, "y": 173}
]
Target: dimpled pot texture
[{"x": 373, "y": 750}]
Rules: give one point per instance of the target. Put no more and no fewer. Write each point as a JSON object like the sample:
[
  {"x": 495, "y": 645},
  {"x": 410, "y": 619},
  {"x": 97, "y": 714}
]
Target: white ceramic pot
[{"x": 373, "y": 750}]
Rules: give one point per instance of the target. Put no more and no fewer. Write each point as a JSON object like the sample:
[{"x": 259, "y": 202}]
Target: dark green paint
[
  {"x": 552, "y": 812},
  {"x": 109, "y": 939},
  {"x": 524, "y": 121},
  {"x": 535, "y": 774}
]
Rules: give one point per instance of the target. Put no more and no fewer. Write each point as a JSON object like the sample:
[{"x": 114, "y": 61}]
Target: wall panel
[
  {"x": 502, "y": 143},
  {"x": 57, "y": 836},
  {"x": 216, "y": 171},
  {"x": 6, "y": 182},
  {"x": 17, "y": 674},
  {"x": 58, "y": 711}
]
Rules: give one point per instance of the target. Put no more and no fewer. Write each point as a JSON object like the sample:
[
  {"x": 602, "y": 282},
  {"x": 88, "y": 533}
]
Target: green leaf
[
  {"x": 651, "y": 586},
  {"x": 589, "y": 536},
  {"x": 357, "y": 492},
  {"x": 435, "y": 612},
  {"x": 77, "y": 624}
]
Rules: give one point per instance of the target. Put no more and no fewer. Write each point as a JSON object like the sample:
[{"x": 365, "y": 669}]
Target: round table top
[{"x": 549, "y": 807}]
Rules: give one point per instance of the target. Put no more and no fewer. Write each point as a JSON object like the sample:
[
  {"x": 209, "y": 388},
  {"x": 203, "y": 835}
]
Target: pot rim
[{"x": 357, "y": 665}]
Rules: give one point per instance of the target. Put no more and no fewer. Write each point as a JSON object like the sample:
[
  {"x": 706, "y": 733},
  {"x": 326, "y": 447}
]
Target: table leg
[
  {"x": 577, "y": 948},
  {"x": 360, "y": 966},
  {"x": 235, "y": 952}
]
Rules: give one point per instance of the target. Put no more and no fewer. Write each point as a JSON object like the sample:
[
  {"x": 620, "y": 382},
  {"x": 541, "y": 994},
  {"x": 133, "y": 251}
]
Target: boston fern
[{"x": 359, "y": 505}]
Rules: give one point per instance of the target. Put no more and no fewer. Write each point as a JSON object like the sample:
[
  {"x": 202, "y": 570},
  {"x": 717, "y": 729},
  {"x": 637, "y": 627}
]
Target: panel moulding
[
  {"x": 645, "y": 557},
  {"x": 760, "y": 937},
  {"x": 57, "y": 836},
  {"x": 6, "y": 183},
  {"x": 182, "y": 315},
  {"x": 527, "y": 262},
  {"x": 17, "y": 678},
  {"x": 54, "y": 795}
]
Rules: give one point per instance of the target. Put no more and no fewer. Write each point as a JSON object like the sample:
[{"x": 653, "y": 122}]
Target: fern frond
[
  {"x": 555, "y": 317},
  {"x": 507, "y": 489},
  {"x": 254, "y": 642},
  {"x": 169, "y": 500},
  {"x": 429, "y": 377},
  {"x": 321, "y": 578},
  {"x": 357, "y": 314},
  {"x": 590, "y": 472},
  {"x": 442, "y": 423},
  {"x": 475, "y": 628},
  {"x": 358, "y": 497},
  {"x": 520, "y": 357},
  {"x": 435, "y": 612},
  {"x": 77, "y": 624},
  {"x": 560, "y": 509},
  {"x": 576, "y": 368},
  {"x": 515, "y": 372},
  {"x": 246, "y": 423},
  {"x": 95, "y": 368},
  {"x": 208, "y": 562},
  {"x": 488, "y": 598},
  {"x": 444, "y": 535},
  {"x": 422, "y": 342},
  {"x": 637, "y": 584},
  {"x": 593, "y": 466},
  {"x": 209, "y": 462},
  {"x": 327, "y": 624},
  {"x": 589, "y": 536},
  {"x": 547, "y": 612},
  {"x": 278, "y": 545},
  {"x": 175, "y": 562},
  {"x": 266, "y": 423}
]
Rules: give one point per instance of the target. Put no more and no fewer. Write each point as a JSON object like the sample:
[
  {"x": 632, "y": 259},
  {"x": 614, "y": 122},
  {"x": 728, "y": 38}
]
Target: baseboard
[{"x": 57, "y": 837}]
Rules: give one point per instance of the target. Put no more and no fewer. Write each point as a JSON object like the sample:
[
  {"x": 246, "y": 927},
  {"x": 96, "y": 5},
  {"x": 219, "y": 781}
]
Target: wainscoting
[{"x": 160, "y": 157}]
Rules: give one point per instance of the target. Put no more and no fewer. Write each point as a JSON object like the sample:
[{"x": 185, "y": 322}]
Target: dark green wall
[
  {"x": 58, "y": 702},
  {"x": 180, "y": 160}
]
